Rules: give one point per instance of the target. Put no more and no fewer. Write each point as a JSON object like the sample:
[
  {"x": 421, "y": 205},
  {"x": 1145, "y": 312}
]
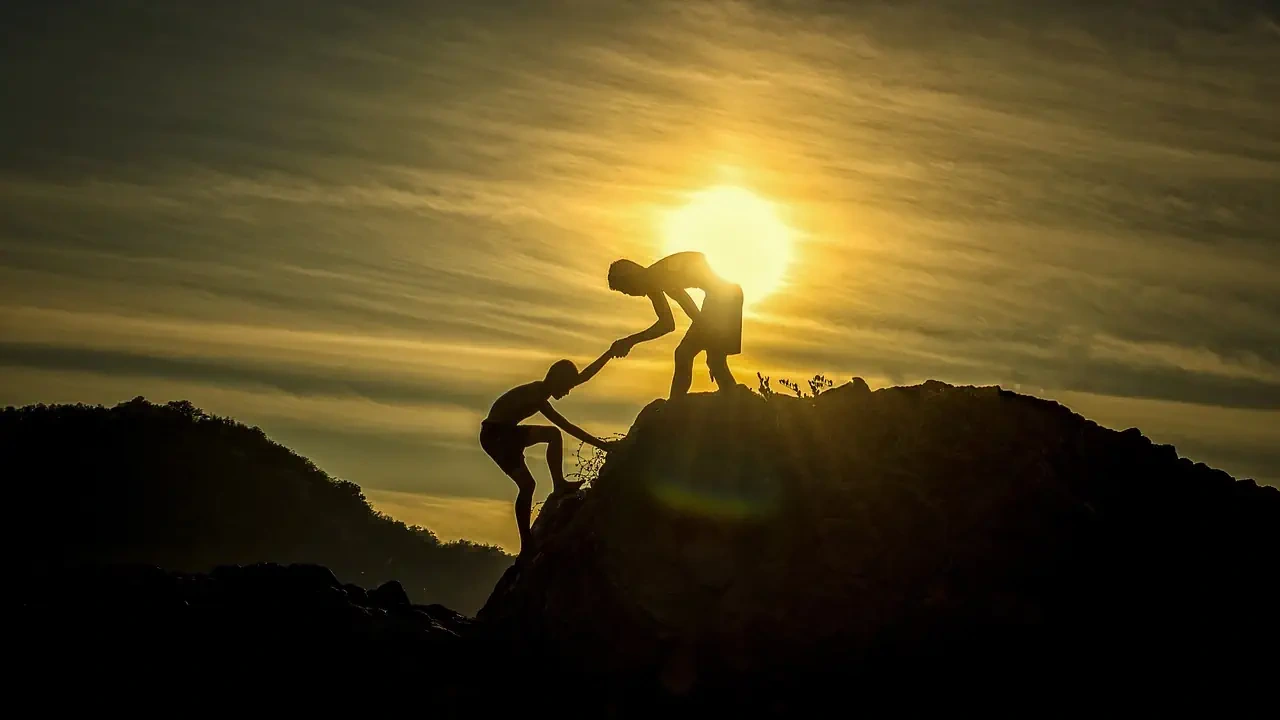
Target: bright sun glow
[{"x": 740, "y": 233}]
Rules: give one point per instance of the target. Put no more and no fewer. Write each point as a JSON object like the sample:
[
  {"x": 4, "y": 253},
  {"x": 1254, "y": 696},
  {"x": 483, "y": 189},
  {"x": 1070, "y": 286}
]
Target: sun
[{"x": 740, "y": 233}]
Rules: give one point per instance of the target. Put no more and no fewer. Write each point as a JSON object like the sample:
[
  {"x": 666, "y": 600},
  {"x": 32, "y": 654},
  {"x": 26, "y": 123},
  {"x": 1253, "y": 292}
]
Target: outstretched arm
[
  {"x": 558, "y": 420},
  {"x": 664, "y": 324},
  {"x": 590, "y": 371}
]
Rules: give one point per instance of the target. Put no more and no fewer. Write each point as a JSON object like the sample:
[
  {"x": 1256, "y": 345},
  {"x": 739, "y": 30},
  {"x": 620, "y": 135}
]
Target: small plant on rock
[
  {"x": 763, "y": 387},
  {"x": 590, "y": 460},
  {"x": 817, "y": 385}
]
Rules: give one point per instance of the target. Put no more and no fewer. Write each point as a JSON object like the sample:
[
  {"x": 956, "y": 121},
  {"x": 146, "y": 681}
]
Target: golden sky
[{"x": 355, "y": 224}]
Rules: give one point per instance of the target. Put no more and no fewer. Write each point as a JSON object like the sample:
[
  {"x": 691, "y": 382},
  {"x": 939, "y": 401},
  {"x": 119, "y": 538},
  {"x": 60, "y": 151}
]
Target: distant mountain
[{"x": 171, "y": 486}]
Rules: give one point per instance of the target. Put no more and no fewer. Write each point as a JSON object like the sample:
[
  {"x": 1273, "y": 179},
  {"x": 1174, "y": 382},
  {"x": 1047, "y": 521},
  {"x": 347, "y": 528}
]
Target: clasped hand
[{"x": 620, "y": 348}]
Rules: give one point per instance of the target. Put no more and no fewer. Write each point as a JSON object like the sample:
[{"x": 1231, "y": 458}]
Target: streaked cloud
[{"x": 355, "y": 225}]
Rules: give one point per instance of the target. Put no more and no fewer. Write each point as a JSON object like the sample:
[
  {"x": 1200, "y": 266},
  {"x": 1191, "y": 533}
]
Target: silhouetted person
[
  {"x": 504, "y": 438},
  {"x": 716, "y": 326}
]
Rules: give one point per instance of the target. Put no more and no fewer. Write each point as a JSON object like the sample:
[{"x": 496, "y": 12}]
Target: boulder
[{"x": 389, "y": 596}]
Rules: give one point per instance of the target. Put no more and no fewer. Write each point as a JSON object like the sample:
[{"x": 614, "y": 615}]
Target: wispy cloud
[
  {"x": 357, "y": 225},
  {"x": 1246, "y": 366}
]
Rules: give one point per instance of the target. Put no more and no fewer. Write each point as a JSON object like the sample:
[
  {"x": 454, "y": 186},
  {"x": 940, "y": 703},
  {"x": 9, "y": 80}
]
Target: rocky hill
[
  {"x": 751, "y": 550},
  {"x": 172, "y": 486},
  {"x": 765, "y": 555}
]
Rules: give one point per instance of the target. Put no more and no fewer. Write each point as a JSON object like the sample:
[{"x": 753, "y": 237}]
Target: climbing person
[
  {"x": 504, "y": 438},
  {"x": 716, "y": 327}
]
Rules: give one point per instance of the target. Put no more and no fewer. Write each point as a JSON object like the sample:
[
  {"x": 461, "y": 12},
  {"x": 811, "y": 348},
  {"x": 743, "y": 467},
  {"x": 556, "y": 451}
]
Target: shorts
[
  {"x": 718, "y": 328},
  {"x": 505, "y": 444}
]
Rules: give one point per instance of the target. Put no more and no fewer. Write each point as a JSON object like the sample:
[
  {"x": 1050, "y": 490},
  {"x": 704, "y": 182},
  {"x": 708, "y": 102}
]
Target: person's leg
[
  {"x": 686, "y": 351},
  {"x": 505, "y": 446},
  {"x": 555, "y": 454},
  {"x": 524, "y": 504},
  {"x": 722, "y": 320},
  {"x": 718, "y": 363}
]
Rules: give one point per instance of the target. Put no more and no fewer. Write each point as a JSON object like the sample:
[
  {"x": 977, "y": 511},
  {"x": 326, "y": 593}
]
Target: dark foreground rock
[
  {"x": 749, "y": 556},
  {"x": 234, "y": 624},
  {"x": 747, "y": 553}
]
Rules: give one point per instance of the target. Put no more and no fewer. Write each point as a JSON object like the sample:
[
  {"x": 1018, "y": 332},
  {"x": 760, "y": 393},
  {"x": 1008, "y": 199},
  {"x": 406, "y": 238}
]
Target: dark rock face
[
  {"x": 749, "y": 556},
  {"x": 250, "y": 623},
  {"x": 746, "y": 551},
  {"x": 389, "y": 595}
]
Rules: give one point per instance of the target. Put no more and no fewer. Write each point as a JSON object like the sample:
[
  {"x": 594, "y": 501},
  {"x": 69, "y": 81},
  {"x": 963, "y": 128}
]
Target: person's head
[
  {"x": 561, "y": 378},
  {"x": 627, "y": 278}
]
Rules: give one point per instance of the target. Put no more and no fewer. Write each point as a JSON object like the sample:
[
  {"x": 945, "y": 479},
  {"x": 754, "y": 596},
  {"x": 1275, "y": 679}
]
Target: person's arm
[
  {"x": 590, "y": 371},
  {"x": 685, "y": 302},
  {"x": 558, "y": 420},
  {"x": 665, "y": 323}
]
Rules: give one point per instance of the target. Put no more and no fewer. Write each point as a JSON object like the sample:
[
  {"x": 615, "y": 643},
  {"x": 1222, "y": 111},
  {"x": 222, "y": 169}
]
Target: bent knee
[
  {"x": 686, "y": 353},
  {"x": 543, "y": 434},
  {"x": 526, "y": 483}
]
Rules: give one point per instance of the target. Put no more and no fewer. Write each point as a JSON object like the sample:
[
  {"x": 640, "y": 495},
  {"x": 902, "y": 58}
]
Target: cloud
[
  {"x": 1247, "y": 366},
  {"x": 357, "y": 226},
  {"x": 452, "y": 518}
]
